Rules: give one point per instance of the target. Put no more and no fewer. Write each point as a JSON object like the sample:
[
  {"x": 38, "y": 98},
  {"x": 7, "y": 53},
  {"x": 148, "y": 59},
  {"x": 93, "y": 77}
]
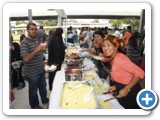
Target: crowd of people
[{"x": 120, "y": 53}]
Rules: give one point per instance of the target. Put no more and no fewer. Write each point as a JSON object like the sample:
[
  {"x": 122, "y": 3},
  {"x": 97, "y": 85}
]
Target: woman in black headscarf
[
  {"x": 16, "y": 67},
  {"x": 56, "y": 53}
]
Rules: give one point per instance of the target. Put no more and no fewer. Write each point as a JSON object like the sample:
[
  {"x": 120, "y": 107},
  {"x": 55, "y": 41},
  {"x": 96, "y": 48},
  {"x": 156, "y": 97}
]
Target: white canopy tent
[
  {"x": 75, "y": 10},
  {"x": 75, "y": 13},
  {"x": 35, "y": 11}
]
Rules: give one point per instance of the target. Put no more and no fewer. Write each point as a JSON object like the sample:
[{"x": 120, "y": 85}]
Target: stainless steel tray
[
  {"x": 73, "y": 97},
  {"x": 75, "y": 62}
]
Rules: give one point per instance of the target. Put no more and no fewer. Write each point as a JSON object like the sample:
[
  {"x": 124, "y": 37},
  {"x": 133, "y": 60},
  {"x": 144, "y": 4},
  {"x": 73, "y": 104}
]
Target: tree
[
  {"x": 132, "y": 22},
  {"x": 135, "y": 24},
  {"x": 21, "y": 22},
  {"x": 129, "y": 21},
  {"x": 114, "y": 23},
  {"x": 47, "y": 22},
  {"x": 95, "y": 21},
  {"x": 73, "y": 20}
]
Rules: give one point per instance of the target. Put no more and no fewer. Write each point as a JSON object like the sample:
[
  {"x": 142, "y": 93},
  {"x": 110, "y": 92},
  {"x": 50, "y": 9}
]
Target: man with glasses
[{"x": 32, "y": 55}]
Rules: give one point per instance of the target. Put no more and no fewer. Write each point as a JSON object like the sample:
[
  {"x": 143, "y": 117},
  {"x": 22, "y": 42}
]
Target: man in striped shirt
[{"x": 32, "y": 55}]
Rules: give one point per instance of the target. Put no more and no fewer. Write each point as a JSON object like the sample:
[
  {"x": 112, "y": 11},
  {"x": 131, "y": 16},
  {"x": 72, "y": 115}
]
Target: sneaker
[
  {"x": 37, "y": 107},
  {"x": 11, "y": 105},
  {"x": 46, "y": 102},
  {"x": 45, "y": 106}
]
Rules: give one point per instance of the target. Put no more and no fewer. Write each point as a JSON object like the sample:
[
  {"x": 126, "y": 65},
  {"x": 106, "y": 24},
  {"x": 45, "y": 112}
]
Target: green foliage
[
  {"x": 72, "y": 20},
  {"x": 135, "y": 24},
  {"x": 40, "y": 22},
  {"x": 95, "y": 21},
  {"x": 132, "y": 22},
  {"x": 47, "y": 22},
  {"x": 129, "y": 21},
  {"x": 114, "y": 23},
  {"x": 16, "y": 37},
  {"x": 21, "y": 22}
]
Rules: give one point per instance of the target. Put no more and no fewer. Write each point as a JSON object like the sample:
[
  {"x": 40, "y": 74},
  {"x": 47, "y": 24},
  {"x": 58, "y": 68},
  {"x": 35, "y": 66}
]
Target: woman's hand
[
  {"x": 112, "y": 88},
  {"x": 101, "y": 55},
  {"x": 123, "y": 92},
  {"x": 90, "y": 55}
]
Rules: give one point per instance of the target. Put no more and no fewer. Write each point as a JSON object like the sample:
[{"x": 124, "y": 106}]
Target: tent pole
[{"x": 30, "y": 15}]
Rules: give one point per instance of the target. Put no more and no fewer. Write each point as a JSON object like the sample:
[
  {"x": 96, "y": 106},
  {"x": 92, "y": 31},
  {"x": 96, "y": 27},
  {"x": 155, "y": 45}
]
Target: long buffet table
[{"x": 55, "y": 95}]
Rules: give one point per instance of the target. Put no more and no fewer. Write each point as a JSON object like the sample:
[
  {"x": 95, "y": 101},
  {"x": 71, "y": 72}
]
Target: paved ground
[{"x": 21, "y": 98}]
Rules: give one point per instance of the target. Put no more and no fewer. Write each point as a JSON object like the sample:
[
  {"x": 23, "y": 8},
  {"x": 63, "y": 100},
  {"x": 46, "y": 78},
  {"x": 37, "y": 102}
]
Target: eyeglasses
[{"x": 32, "y": 29}]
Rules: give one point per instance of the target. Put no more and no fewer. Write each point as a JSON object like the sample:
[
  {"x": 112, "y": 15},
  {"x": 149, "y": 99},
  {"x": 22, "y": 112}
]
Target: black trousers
[
  {"x": 129, "y": 102},
  {"x": 52, "y": 75}
]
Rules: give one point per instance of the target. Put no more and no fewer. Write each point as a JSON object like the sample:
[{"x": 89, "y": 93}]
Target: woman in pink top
[{"x": 124, "y": 74}]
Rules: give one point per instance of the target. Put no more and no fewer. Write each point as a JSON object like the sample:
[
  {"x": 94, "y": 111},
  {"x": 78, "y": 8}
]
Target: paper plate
[{"x": 98, "y": 58}]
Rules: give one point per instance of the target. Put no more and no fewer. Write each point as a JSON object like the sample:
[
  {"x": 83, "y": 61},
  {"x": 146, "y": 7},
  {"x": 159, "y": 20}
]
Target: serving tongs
[
  {"x": 97, "y": 82},
  {"x": 110, "y": 99},
  {"x": 78, "y": 85},
  {"x": 109, "y": 92},
  {"x": 115, "y": 93}
]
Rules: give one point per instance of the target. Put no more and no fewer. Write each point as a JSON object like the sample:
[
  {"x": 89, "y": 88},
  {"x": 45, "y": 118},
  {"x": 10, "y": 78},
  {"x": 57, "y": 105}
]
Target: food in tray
[
  {"x": 72, "y": 56},
  {"x": 99, "y": 88},
  {"x": 105, "y": 105},
  {"x": 89, "y": 76},
  {"x": 74, "y": 98},
  {"x": 98, "y": 85},
  {"x": 73, "y": 72},
  {"x": 98, "y": 58},
  {"x": 73, "y": 67},
  {"x": 72, "y": 50}
]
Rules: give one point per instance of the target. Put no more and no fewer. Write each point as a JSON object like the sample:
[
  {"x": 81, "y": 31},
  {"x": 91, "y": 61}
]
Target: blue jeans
[{"x": 37, "y": 82}]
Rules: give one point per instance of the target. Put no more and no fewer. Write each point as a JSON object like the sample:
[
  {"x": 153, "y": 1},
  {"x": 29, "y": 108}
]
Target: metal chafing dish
[
  {"x": 73, "y": 97},
  {"x": 73, "y": 74},
  {"x": 73, "y": 62}
]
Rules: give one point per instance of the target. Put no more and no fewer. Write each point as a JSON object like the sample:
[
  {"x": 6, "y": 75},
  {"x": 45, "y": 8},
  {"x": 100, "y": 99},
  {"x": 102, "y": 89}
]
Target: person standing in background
[
  {"x": 32, "y": 55},
  {"x": 70, "y": 35},
  {"x": 41, "y": 35},
  {"x": 98, "y": 43},
  {"x": 75, "y": 39},
  {"x": 56, "y": 53},
  {"x": 123, "y": 31},
  {"x": 22, "y": 36},
  {"x": 16, "y": 67},
  {"x": 50, "y": 34},
  {"x": 127, "y": 36},
  {"x": 133, "y": 51}
]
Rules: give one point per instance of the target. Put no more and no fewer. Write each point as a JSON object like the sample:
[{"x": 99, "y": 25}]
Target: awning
[{"x": 76, "y": 10}]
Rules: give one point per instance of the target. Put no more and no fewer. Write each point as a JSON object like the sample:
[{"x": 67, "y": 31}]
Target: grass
[{"x": 16, "y": 37}]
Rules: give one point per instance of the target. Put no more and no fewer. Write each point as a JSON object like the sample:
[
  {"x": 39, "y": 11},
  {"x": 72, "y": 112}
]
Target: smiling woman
[
  {"x": 110, "y": 45},
  {"x": 125, "y": 79}
]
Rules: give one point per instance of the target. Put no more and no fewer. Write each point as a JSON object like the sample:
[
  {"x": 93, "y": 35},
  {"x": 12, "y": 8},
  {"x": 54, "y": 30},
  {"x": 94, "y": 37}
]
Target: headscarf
[
  {"x": 113, "y": 39},
  {"x": 58, "y": 32},
  {"x": 15, "y": 54}
]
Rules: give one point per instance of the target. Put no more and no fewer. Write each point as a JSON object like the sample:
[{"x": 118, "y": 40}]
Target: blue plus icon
[{"x": 147, "y": 99}]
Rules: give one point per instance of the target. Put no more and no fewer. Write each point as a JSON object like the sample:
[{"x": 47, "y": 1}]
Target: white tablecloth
[{"x": 55, "y": 95}]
